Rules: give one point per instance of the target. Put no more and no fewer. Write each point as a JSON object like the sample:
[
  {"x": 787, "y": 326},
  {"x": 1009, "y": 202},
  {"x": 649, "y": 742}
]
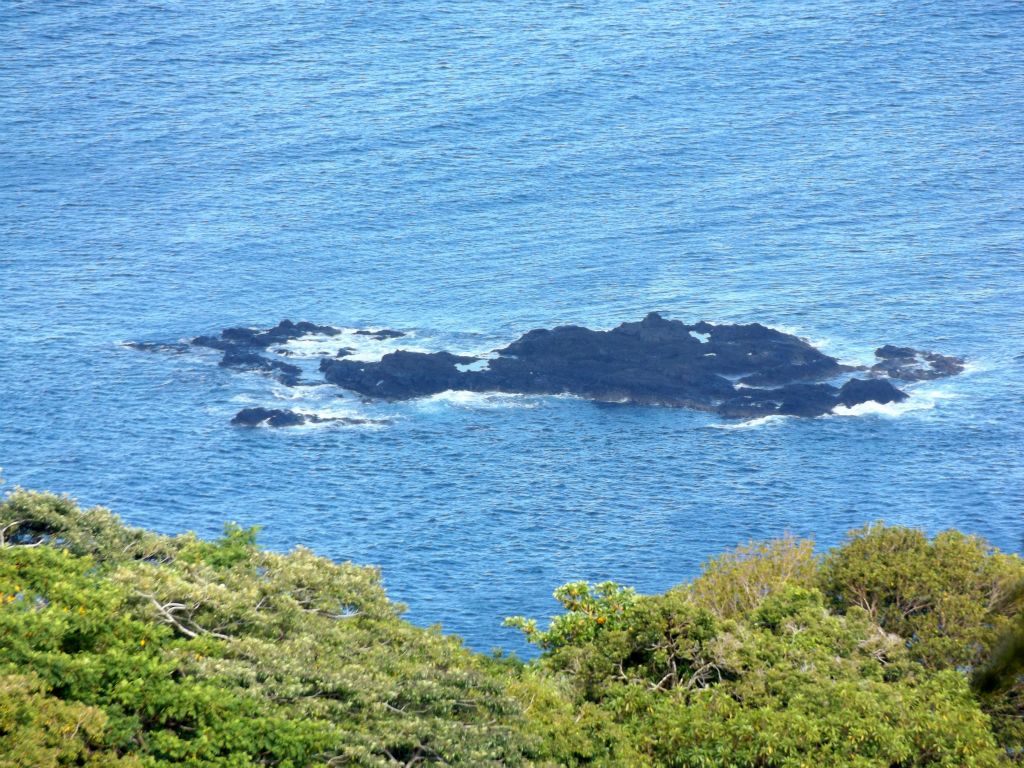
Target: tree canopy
[{"x": 122, "y": 647}]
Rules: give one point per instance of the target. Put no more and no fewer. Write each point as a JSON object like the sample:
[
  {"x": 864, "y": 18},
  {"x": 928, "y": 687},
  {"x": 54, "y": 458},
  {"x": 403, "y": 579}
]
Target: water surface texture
[{"x": 851, "y": 172}]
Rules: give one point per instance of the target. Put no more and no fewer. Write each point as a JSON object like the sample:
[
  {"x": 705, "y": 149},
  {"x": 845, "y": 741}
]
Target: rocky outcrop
[
  {"x": 790, "y": 400},
  {"x": 174, "y": 348},
  {"x": 274, "y": 417},
  {"x": 243, "y": 348},
  {"x": 909, "y": 364},
  {"x": 242, "y": 360},
  {"x": 382, "y": 334},
  {"x": 271, "y": 417},
  {"x": 399, "y": 375},
  {"x": 737, "y": 371},
  {"x": 254, "y": 338},
  {"x": 857, "y": 391}
]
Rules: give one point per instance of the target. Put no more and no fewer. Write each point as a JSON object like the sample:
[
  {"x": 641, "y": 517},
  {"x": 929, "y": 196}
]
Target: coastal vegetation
[{"x": 123, "y": 647}]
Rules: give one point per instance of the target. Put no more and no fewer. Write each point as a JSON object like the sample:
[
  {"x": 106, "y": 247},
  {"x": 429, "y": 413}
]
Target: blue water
[{"x": 849, "y": 171}]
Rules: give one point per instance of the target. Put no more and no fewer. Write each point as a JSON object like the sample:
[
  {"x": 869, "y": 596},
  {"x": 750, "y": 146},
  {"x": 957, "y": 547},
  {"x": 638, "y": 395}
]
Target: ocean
[{"x": 849, "y": 172}]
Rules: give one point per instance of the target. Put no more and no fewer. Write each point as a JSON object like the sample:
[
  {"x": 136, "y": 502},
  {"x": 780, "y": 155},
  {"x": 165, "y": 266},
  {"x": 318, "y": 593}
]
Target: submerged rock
[
  {"x": 255, "y": 417},
  {"x": 381, "y": 335},
  {"x": 241, "y": 360},
  {"x": 255, "y": 338},
  {"x": 275, "y": 417},
  {"x": 175, "y": 348},
  {"x": 243, "y": 348},
  {"x": 909, "y": 364}
]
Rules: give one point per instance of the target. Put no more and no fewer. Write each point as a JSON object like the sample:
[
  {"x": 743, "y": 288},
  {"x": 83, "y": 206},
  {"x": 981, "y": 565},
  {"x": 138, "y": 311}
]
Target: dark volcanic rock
[
  {"x": 241, "y": 360},
  {"x": 274, "y": 417},
  {"x": 384, "y": 333},
  {"x": 175, "y": 348},
  {"x": 243, "y": 347},
  {"x": 857, "y": 391},
  {"x": 399, "y": 375},
  {"x": 791, "y": 400},
  {"x": 890, "y": 352},
  {"x": 746, "y": 408},
  {"x": 914, "y": 365},
  {"x": 679, "y": 360},
  {"x": 281, "y": 333},
  {"x": 214, "y": 342},
  {"x": 254, "y": 417},
  {"x": 807, "y": 399},
  {"x": 737, "y": 371},
  {"x": 654, "y": 361}
]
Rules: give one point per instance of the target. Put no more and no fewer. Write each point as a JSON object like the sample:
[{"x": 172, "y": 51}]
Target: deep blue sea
[{"x": 852, "y": 172}]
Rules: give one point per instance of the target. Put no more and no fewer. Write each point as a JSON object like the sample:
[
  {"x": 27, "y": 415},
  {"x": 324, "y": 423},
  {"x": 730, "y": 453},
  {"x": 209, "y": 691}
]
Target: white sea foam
[
  {"x": 477, "y": 400},
  {"x": 703, "y": 338},
  {"x": 323, "y": 401},
  {"x": 330, "y": 421},
  {"x": 313, "y": 392},
  {"x": 364, "y": 348},
  {"x": 846, "y": 352},
  {"x": 358, "y": 421},
  {"x": 793, "y": 331},
  {"x": 919, "y": 400},
  {"x": 478, "y": 365},
  {"x": 764, "y": 421}
]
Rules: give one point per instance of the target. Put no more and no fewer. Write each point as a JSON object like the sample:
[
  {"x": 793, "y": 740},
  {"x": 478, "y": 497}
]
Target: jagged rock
[
  {"x": 381, "y": 335},
  {"x": 175, "y": 348},
  {"x": 243, "y": 347},
  {"x": 255, "y": 338},
  {"x": 889, "y": 352},
  {"x": 857, "y": 391},
  {"x": 275, "y": 417},
  {"x": 254, "y": 417},
  {"x": 241, "y": 360},
  {"x": 654, "y": 361},
  {"x": 909, "y": 364},
  {"x": 399, "y": 375},
  {"x": 737, "y": 371}
]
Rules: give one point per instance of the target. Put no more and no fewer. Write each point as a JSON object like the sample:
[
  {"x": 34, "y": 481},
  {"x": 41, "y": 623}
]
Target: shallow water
[{"x": 851, "y": 172}]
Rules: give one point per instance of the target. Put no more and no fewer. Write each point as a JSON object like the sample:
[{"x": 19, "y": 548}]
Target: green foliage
[
  {"x": 590, "y": 610},
  {"x": 28, "y": 518},
  {"x": 120, "y": 647},
  {"x": 950, "y": 598},
  {"x": 1006, "y": 664},
  {"x": 735, "y": 582},
  {"x": 1000, "y": 682},
  {"x": 39, "y": 730},
  {"x": 754, "y": 665},
  {"x": 221, "y": 654}
]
